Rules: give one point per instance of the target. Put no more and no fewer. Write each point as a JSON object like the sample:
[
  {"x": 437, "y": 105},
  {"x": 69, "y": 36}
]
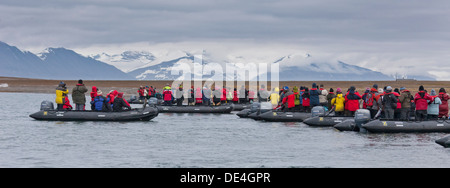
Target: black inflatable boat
[
  {"x": 239, "y": 107},
  {"x": 276, "y": 116},
  {"x": 48, "y": 113},
  {"x": 134, "y": 115},
  {"x": 252, "y": 109},
  {"x": 444, "y": 141},
  {"x": 327, "y": 121},
  {"x": 362, "y": 116},
  {"x": 195, "y": 109},
  {"x": 347, "y": 125},
  {"x": 390, "y": 126},
  {"x": 244, "y": 113}
]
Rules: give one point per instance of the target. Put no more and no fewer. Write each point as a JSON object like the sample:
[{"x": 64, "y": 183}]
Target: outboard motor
[
  {"x": 153, "y": 101},
  {"x": 47, "y": 105},
  {"x": 362, "y": 116},
  {"x": 133, "y": 98},
  {"x": 255, "y": 107},
  {"x": 265, "y": 107},
  {"x": 318, "y": 111}
]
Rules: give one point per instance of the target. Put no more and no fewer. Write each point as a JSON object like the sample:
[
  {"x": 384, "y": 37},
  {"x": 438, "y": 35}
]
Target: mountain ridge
[{"x": 62, "y": 63}]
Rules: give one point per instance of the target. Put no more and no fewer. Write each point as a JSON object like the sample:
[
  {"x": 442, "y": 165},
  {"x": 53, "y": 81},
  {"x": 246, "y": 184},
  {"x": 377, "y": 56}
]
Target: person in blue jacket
[
  {"x": 101, "y": 103},
  {"x": 314, "y": 96}
]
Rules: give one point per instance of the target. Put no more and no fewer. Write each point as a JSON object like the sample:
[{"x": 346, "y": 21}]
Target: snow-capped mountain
[
  {"x": 305, "y": 67},
  {"x": 61, "y": 63},
  {"x": 128, "y": 60},
  {"x": 55, "y": 63},
  {"x": 291, "y": 68}
]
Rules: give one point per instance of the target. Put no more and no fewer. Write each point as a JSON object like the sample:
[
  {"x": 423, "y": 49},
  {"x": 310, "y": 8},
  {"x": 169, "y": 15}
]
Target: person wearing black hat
[
  {"x": 330, "y": 97},
  {"x": 421, "y": 100},
  {"x": 314, "y": 95},
  {"x": 78, "y": 95}
]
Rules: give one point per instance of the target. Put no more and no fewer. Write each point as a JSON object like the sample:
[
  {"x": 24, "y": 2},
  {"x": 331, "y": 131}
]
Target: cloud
[{"x": 382, "y": 35}]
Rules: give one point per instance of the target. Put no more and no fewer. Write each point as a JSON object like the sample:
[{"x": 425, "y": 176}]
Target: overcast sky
[{"x": 383, "y": 35}]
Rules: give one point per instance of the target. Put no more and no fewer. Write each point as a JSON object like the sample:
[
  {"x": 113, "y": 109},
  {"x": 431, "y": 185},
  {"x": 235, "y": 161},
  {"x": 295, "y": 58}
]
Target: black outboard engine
[
  {"x": 265, "y": 107},
  {"x": 255, "y": 107},
  {"x": 133, "y": 98},
  {"x": 362, "y": 116},
  {"x": 47, "y": 105},
  {"x": 152, "y": 101},
  {"x": 318, "y": 111}
]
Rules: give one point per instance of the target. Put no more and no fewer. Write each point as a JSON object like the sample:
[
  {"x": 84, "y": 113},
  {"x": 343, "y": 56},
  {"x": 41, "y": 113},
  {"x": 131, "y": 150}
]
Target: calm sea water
[{"x": 199, "y": 140}]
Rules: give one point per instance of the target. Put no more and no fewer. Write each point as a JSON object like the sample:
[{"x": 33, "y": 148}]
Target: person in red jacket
[
  {"x": 167, "y": 94},
  {"x": 288, "y": 100},
  {"x": 421, "y": 99},
  {"x": 198, "y": 97},
  {"x": 223, "y": 98},
  {"x": 141, "y": 92},
  {"x": 305, "y": 100},
  {"x": 251, "y": 96},
  {"x": 235, "y": 96},
  {"x": 443, "y": 108},
  {"x": 67, "y": 105},
  {"x": 112, "y": 95},
  {"x": 93, "y": 93},
  {"x": 352, "y": 101}
]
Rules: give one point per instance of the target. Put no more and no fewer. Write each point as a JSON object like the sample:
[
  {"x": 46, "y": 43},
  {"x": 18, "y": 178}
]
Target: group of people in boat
[
  {"x": 204, "y": 96},
  {"x": 111, "y": 102},
  {"x": 386, "y": 103}
]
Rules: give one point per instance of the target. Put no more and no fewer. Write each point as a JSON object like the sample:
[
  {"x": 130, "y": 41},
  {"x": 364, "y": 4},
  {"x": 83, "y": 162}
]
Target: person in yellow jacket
[
  {"x": 167, "y": 87},
  {"x": 275, "y": 97},
  {"x": 338, "y": 102},
  {"x": 61, "y": 94}
]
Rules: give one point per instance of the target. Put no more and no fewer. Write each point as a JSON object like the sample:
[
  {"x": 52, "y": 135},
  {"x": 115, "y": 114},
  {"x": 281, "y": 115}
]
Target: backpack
[
  {"x": 99, "y": 102},
  {"x": 369, "y": 99}
]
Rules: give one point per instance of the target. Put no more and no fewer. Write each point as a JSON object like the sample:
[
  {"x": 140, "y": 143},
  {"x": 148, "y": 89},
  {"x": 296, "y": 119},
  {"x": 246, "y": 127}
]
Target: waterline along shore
[{"x": 130, "y": 87}]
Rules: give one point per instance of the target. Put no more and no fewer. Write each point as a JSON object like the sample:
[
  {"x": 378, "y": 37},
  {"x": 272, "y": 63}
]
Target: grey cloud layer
[
  {"x": 371, "y": 33},
  {"x": 81, "y": 22}
]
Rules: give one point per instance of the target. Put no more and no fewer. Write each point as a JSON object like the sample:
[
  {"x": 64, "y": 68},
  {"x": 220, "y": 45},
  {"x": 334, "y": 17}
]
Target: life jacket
[
  {"x": 224, "y": 94},
  {"x": 198, "y": 96},
  {"x": 251, "y": 94},
  {"x": 141, "y": 92},
  {"x": 370, "y": 98},
  {"x": 151, "y": 92},
  {"x": 305, "y": 102},
  {"x": 289, "y": 99},
  {"x": 235, "y": 96},
  {"x": 93, "y": 93},
  {"x": 167, "y": 95},
  {"x": 67, "y": 104}
]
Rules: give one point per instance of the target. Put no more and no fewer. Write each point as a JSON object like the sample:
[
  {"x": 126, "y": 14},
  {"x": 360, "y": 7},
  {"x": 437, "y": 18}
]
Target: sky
[{"x": 401, "y": 36}]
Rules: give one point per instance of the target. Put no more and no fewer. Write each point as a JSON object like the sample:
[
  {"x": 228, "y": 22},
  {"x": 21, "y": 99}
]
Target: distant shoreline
[{"x": 130, "y": 87}]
